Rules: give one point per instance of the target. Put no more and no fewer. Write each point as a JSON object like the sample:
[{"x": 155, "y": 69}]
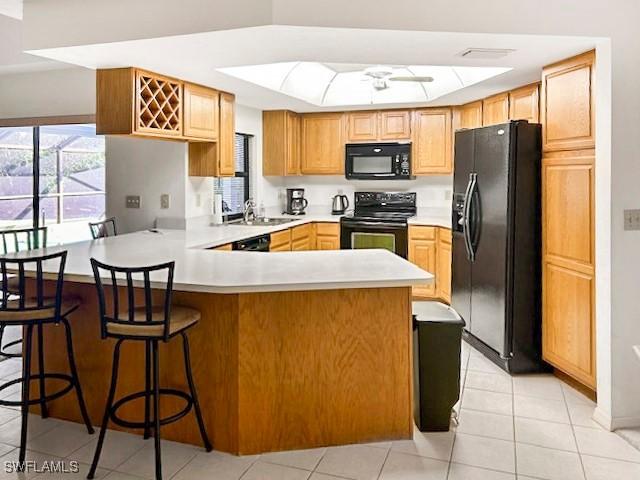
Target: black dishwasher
[{"x": 254, "y": 244}]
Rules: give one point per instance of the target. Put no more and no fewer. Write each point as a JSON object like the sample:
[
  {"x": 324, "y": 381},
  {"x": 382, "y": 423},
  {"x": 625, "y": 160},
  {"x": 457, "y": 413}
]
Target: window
[
  {"x": 235, "y": 190},
  {"x": 65, "y": 165}
]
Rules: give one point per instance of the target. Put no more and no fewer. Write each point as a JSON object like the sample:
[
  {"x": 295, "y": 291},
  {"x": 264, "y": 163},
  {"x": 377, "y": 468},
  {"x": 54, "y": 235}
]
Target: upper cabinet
[
  {"x": 567, "y": 104},
  {"x": 362, "y": 126},
  {"x": 323, "y": 140},
  {"x": 524, "y": 103},
  {"x": 384, "y": 125},
  {"x": 469, "y": 115},
  {"x": 395, "y": 124},
  {"x": 201, "y": 117},
  {"x": 495, "y": 109},
  {"x": 431, "y": 142},
  {"x": 280, "y": 143},
  {"x": 216, "y": 159}
]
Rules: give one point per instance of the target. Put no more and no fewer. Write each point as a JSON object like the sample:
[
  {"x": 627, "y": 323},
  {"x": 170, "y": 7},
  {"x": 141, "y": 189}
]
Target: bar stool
[
  {"x": 105, "y": 228},
  {"x": 17, "y": 241},
  {"x": 31, "y": 308},
  {"x": 151, "y": 324}
]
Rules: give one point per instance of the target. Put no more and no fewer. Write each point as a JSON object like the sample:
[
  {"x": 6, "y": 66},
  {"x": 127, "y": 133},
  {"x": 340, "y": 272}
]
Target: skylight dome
[{"x": 327, "y": 85}]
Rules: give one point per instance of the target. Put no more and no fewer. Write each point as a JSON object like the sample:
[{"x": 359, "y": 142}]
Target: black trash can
[{"x": 437, "y": 336}]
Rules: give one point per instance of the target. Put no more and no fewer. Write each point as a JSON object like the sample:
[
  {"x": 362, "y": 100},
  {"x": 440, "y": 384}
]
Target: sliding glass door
[{"x": 64, "y": 164}]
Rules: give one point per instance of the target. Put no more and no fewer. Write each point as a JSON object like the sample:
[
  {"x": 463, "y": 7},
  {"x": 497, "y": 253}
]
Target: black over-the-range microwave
[{"x": 378, "y": 161}]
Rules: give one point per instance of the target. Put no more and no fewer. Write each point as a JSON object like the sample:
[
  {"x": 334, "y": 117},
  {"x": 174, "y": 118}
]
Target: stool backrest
[
  {"x": 138, "y": 277},
  {"x": 23, "y": 239},
  {"x": 27, "y": 301},
  {"x": 105, "y": 228}
]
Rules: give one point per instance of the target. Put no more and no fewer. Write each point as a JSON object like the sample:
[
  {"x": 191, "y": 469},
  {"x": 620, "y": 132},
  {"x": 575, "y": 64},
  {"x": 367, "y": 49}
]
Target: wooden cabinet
[
  {"x": 281, "y": 241},
  {"x": 443, "y": 265},
  {"x": 524, "y": 103},
  {"x": 323, "y": 143},
  {"x": 280, "y": 143},
  {"x": 567, "y": 104},
  {"x": 200, "y": 112},
  {"x": 468, "y": 116},
  {"x": 302, "y": 237},
  {"x": 216, "y": 159},
  {"x": 226, "y": 247},
  {"x": 327, "y": 236},
  {"x": 395, "y": 124},
  {"x": 130, "y": 101},
  {"x": 568, "y": 253},
  {"x": 362, "y": 126},
  {"x": 495, "y": 109},
  {"x": 431, "y": 142},
  {"x": 422, "y": 252}
]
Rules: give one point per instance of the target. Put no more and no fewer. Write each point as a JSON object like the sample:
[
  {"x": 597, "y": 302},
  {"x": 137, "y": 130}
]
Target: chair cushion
[
  {"x": 181, "y": 318},
  {"x": 32, "y": 312}
]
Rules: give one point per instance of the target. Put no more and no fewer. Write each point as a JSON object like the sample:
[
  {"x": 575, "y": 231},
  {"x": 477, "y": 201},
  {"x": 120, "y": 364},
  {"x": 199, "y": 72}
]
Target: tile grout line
[
  {"x": 513, "y": 422},
  {"x": 386, "y": 457},
  {"x": 573, "y": 432},
  {"x": 459, "y": 413}
]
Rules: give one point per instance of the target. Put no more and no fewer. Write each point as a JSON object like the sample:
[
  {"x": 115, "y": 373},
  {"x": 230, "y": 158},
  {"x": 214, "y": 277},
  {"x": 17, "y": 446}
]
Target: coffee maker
[{"x": 296, "y": 203}]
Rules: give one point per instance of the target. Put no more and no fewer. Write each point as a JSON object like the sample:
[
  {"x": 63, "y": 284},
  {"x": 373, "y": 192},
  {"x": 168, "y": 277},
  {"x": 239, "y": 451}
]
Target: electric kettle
[{"x": 339, "y": 205}]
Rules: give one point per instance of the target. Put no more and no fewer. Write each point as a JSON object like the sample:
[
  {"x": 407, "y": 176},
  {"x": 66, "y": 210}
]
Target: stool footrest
[
  {"x": 163, "y": 421},
  {"x": 38, "y": 401},
  {"x": 4, "y": 353}
]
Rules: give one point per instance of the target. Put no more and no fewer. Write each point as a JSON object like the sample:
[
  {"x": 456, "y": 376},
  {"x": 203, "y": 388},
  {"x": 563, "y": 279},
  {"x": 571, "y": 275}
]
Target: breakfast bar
[{"x": 294, "y": 349}]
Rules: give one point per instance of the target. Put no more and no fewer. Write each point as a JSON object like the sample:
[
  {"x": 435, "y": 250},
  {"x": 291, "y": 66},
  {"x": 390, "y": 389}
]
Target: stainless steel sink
[{"x": 265, "y": 222}]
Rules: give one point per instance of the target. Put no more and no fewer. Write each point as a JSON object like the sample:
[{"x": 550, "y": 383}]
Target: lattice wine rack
[{"x": 159, "y": 104}]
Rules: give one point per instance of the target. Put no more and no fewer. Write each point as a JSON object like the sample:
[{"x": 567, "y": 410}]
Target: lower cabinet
[
  {"x": 327, "y": 236},
  {"x": 430, "y": 249},
  {"x": 226, "y": 246},
  {"x": 281, "y": 241},
  {"x": 302, "y": 237}
]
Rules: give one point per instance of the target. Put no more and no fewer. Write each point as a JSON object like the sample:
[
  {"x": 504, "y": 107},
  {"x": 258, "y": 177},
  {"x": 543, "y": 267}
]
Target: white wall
[
  {"x": 70, "y": 91},
  {"x": 148, "y": 168}
]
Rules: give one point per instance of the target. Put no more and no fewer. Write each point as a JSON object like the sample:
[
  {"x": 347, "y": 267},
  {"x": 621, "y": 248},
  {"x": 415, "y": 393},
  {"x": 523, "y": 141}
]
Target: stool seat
[
  {"x": 31, "y": 310},
  {"x": 181, "y": 319}
]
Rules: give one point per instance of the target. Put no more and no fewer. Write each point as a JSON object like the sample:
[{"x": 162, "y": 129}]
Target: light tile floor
[{"x": 526, "y": 427}]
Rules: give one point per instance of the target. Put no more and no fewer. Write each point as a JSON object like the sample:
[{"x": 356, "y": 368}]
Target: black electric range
[{"x": 379, "y": 220}]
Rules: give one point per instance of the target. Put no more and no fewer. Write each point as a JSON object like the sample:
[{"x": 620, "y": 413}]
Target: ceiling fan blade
[{"x": 411, "y": 79}]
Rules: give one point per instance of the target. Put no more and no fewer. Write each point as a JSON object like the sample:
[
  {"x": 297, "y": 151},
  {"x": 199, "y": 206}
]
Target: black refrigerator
[{"x": 496, "y": 263}]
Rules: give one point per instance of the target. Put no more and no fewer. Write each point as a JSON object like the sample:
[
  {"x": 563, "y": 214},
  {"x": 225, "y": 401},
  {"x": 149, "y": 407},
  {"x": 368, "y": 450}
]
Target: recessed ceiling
[
  {"x": 199, "y": 57},
  {"x": 11, "y": 8},
  {"x": 339, "y": 85}
]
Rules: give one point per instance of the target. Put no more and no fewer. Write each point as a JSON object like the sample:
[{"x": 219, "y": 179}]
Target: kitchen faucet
[{"x": 249, "y": 210}]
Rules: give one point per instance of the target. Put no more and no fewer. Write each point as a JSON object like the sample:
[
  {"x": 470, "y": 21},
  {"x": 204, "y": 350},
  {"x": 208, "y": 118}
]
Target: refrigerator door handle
[
  {"x": 473, "y": 179},
  {"x": 465, "y": 218}
]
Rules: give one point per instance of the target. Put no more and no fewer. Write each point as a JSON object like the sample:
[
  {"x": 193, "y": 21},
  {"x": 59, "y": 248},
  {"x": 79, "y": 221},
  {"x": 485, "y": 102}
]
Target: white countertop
[{"x": 200, "y": 270}]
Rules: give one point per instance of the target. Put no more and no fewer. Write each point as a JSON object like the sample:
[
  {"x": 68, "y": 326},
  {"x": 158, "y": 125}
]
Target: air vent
[{"x": 486, "y": 53}]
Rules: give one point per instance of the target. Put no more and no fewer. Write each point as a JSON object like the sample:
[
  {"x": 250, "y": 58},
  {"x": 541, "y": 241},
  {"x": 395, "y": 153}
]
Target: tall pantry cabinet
[{"x": 568, "y": 244}]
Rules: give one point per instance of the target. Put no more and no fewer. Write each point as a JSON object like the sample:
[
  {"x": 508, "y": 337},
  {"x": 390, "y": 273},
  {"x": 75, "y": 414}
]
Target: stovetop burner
[{"x": 383, "y": 207}]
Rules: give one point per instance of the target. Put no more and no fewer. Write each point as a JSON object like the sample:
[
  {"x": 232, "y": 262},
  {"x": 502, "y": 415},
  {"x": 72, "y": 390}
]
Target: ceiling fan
[{"x": 380, "y": 76}]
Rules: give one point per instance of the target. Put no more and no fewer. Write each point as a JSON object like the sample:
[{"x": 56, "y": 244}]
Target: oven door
[{"x": 363, "y": 234}]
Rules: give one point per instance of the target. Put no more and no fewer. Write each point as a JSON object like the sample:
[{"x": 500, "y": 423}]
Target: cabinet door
[
  {"x": 395, "y": 124},
  {"x": 362, "y": 126},
  {"x": 327, "y": 236},
  {"x": 443, "y": 266},
  {"x": 323, "y": 144},
  {"x": 200, "y": 112},
  {"x": 431, "y": 141},
  {"x": 227, "y": 138},
  {"x": 423, "y": 254},
  {"x": 469, "y": 115},
  {"x": 495, "y": 109},
  {"x": 567, "y": 107},
  {"x": 225, "y": 247},
  {"x": 524, "y": 104},
  {"x": 301, "y": 244},
  {"x": 280, "y": 241},
  {"x": 292, "y": 143}
]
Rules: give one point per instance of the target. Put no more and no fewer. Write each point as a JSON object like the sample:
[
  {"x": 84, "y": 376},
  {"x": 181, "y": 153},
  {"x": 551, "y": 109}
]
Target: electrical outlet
[
  {"x": 133, "y": 201},
  {"x": 632, "y": 219},
  {"x": 164, "y": 201}
]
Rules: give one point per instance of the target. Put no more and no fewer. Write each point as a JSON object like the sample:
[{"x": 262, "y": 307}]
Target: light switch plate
[
  {"x": 133, "y": 201},
  {"x": 164, "y": 201},
  {"x": 632, "y": 219}
]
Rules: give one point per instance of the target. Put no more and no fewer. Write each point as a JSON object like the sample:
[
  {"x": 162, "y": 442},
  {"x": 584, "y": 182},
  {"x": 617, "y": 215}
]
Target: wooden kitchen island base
[{"x": 274, "y": 371}]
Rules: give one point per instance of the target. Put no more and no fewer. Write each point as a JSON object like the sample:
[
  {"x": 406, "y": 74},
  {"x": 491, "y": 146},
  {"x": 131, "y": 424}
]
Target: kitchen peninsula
[{"x": 294, "y": 349}]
